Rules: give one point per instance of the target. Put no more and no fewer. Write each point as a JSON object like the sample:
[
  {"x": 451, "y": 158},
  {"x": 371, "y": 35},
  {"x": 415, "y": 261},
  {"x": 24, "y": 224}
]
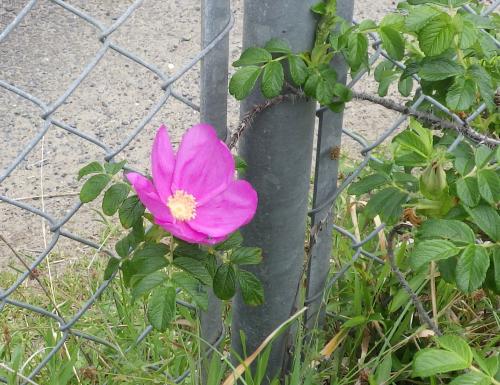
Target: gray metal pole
[
  {"x": 326, "y": 170},
  {"x": 215, "y": 15},
  {"x": 278, "y": 150}
]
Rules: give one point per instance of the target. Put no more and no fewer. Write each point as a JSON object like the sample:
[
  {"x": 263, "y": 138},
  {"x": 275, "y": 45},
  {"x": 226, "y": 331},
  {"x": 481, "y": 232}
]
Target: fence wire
[{"x": 56, "y": 225}]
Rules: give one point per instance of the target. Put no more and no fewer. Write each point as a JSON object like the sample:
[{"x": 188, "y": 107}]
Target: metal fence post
[
  {"x": 215, "y": 15},
  {"x": 326, "y": 170},
  {"x": 278, "y": 150}
]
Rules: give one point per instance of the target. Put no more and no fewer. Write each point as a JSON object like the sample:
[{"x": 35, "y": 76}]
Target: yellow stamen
[{"x": 182, "y": 206}]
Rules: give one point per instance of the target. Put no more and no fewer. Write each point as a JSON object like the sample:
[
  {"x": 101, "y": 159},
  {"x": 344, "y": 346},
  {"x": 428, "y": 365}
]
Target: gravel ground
[{"x": 45, "y": 54}]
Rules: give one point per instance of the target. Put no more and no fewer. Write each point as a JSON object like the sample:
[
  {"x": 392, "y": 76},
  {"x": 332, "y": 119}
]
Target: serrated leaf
[
  {"x": 252, "y": 56},
  {"x": 189, "y": 250},
  {"x": 272, "y": 79},
  {"x": 488, "y": 220},
  {"x": 278, "y": 46},
  {"x": 471, "y": 269},
  {"x": 224, "y": 282},
  {"x": 437, "y": 36},
  {"x": 382, "y": 68},
  {"x": 148, "y": 283},
  {"x": 419, "y": 16},
  {"x": 429, "y": 362},
  {"x": 461, "y": 94},
  {"x": 469, "y": 35},
  {"x": 93, "y": 187},
  {"x": 405, "y": 86},
  {"x": 91, "y": 168},
  {"x": 431, "y": 250},
  {"x": 149, "y": 258},
  {"x": 324, "y": 93},
  {"x": 357, "y": 51},
  {"x": 414, "y": 146},
  {"x": 456, "y": 345},
  {"x": 161, "y": 307},
  {"x": 386, "y": 79},
  {"x": 246, "y": 256},
  {"x": 194, "y": 267},
  {"x": 234, "y": 240},
  {"x": 123, "y": 246},
  {"x": 113, "y": 198},
  {"x": 243, "y": 81},
  {"x": 311, "y": 84},
  {"x": 367, "y": 26},
  {"x": 193, "y": 287},
  {"x": 130, "y": 211},
  {"x": 485, "y": 84},
  {"x": 114, "y": 168},
  {"x": 251, "y": 288},
  {"x": 387, "y": 203},
  {"x": 452, "y": 230},
  {"x": 298, "y": 69},
  {"x": 439, "y": 68},
  {"x": 468, "y": 191},
  {"x": 112, "y": 266},
  {"x": 482, "y": 155},
  {"x": 393, "y": 42},
  {"x": 367, "y": 184},
  {"x": 344, "y": 93},
  {"x": 489, "y": 185}
]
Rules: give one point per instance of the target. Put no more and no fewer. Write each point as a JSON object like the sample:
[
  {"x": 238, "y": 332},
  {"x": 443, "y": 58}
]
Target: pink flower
[{"x": 194, "y": 194}]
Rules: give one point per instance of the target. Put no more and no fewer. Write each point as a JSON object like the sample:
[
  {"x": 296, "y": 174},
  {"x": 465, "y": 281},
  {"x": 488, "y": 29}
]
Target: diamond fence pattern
[{"x": 322, "y": 213}]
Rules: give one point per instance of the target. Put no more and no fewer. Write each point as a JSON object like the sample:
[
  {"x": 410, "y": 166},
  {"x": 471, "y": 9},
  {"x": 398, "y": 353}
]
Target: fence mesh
[{"x": 57, "y": 225}]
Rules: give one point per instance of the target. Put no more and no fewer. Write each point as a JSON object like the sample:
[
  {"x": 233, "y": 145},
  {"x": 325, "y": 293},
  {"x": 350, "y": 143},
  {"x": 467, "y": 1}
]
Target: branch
[
  {"x": 424, "y": 317},
  {"x": 427, "y": 117}
]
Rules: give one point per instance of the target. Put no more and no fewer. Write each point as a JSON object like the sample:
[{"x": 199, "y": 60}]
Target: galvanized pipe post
[
  {"x": 215, "y": 14},
  {"x": 326, "y": 172},
  {"x": 278, "y": 150}
]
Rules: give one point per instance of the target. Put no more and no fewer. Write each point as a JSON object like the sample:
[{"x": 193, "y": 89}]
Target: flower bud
[{"x": 433, "y": 182}]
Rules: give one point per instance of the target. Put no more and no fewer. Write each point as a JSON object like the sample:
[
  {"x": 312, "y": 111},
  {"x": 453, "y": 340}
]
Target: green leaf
[
  {"x": 344, "y": 93},
  {"x": 224, "y": 283},
  {"x": 419, "y": 16},
  {"x": 148, "y": 283},
  {"x": 439, "y": 68},
  {"x": 124, "y": 245},
  {"x": 91, "y": 168},
  {"x": 112, "y": 266},
  {"x": 437, "y": 36},
  {"x": 468, "y": 191},
  {"x": 243, "y": 81},
  {"x": 240, "y": 165},
  {"x": 130, "y": 211},
  {"x": 324, "y": 92},
  {"x": 367, "y": 26},
  {"x": 234, "y": 240},
  {"x": 489, "y": 185},
  {"x": 386, "y": 79},
  {"x": 488, "y": 220},
  {"x": 471, "y": 268},
  {"x": 251, "y": 288},
  {"x": 469, "y": 35},
  {"x": 253, "y": 55},
  {"x": 194, "y": 267},
  {"x": 429, "y": 362},
  {"x": 414, "y": 146},
  {"x": 431, "y": 250},
  {"x": 246, "y": 256},
  {"x": 461, "y": 95},
  {"x": 482, "y": 156},
  {"x": 312, "y": 84},
  {"x": 405, "y": 85},
  {"x": 193, "y": 287},
  {"x": 382, "y": 69},
  {"x": 464, "y": 158},
  {"x": 161, "y": 307},
  {"x": 278, "y": 46},
  {"x": 401, "y": 297},
  {"x": 298, "y": 69},
  {"x": 272, "y": 79},
  {"x": 189, "y": 250},
  {"x": 485, "y": 84},
  {"x": 319, "y": 8},
  {"x": 473, "y": 378},
  {"x": 357, "y": 51},
  {"x": 149, "y": 258},
  {"x": 457, "y": 345},
  {"x": 452, "y": 230},
  {"x": 93, "y": 187},
  {"x": 387, "y": 203},
  {"x": 496, "y": 267},
  {"x": 392, "y": 42},
  {"x": 383, "y": 371},
  {"x": 113, "y": 198},
  {"x": 367, "y": 184},
  {"x": 114, "y": 168},
  {"x": 447, "y": 269}
]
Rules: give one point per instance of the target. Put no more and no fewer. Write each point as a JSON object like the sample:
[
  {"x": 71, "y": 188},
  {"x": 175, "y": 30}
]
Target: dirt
[{"x": 49, "y": 49}]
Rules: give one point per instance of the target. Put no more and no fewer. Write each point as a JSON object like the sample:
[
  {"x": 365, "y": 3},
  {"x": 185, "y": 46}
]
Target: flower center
[{"x": 182, "y": 206}]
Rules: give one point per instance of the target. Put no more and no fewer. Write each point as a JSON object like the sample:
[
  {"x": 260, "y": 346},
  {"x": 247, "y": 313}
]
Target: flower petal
[
  {"x": 182, "y": 231},
  {"x": 149, "y": 196},
  {"x": 204, "y": 165},
  {"x": 162, "y": 163},
  {"x": 227, "y": 211}
]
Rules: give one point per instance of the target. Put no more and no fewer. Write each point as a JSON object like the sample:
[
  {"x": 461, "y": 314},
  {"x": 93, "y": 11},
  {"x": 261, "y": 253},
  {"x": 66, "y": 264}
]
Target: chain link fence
[{"x": 321, "y": 214}]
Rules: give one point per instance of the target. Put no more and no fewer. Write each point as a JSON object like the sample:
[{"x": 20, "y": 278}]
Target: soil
[{"x": 48, "y": 50}]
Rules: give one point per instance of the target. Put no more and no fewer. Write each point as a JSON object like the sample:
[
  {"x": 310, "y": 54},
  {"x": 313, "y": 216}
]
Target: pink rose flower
[{"x": 194, "y": 194}]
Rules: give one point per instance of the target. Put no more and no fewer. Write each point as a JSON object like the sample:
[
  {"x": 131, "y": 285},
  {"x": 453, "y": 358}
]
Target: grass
[{"x": 370, "y": 336}]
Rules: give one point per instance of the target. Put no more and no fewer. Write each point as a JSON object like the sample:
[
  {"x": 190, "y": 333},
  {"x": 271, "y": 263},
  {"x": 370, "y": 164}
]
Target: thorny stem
[{"x": 424, "y": 317}]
